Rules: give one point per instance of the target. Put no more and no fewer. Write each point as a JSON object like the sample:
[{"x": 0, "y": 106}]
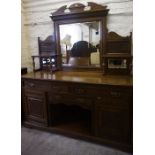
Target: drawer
[
  {"x": 117, "y": 93},
  {"x": 70, "y": 100},
  {"x": 115, "y": 98},
  {"x": 78, "y": 89},
  {"x": 34, "y": 94},
  {"x": 103, "y": 102},
  {"x": 37, "y": 85},
  {"x": 70, "y": 88},
  {"x": 59, "y": 88},
  {"x": 86, "y": 90}
]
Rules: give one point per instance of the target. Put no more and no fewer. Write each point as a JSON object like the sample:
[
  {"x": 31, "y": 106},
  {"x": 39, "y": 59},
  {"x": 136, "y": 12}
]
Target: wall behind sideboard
[{"x": 35, "y": 21}]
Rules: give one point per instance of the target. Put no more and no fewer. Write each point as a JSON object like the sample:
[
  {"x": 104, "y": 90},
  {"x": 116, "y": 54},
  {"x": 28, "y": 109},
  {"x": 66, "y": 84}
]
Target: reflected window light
[
  {"x": 66, "y": 11},
  {"x": 52, "y": 60},
  {"x": 44, "y": 62}
]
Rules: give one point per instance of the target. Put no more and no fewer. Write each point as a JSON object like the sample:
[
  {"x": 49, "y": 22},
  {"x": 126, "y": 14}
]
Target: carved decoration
[
  {"x": 60, "y": 10},
  {"x": 115, "y": 36},
  {"x": 117, "y": 43},
  {"x": 78, "y": 8},
  {"x": 95, "y": 6},
  {"x": 46, "y": 46},
  {"x": 48, "y": 39}
]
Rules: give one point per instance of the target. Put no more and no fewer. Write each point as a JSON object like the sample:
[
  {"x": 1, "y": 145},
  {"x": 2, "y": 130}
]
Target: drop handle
[
  {"x": 115, "y": 94},
  {"x": 80, "y": 90},
  {"x": 31, "y": 84}
]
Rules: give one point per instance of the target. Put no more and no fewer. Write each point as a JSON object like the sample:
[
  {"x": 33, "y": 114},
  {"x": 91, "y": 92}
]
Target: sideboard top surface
[{"x": 81, "y": 77}]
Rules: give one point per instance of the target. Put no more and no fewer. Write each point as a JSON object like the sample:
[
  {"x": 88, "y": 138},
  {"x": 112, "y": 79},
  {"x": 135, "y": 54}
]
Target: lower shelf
[{"x": 80, "y": 127}]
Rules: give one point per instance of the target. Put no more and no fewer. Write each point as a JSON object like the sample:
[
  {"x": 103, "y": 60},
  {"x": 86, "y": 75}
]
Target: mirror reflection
[{"x": 80, "y": 44}]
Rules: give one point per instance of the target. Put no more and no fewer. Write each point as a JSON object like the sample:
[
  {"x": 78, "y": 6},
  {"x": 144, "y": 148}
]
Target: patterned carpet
[{"x": 35, "y": 142}]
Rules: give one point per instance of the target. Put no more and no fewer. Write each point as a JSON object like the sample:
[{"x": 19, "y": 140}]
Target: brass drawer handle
[
  {"x": 115, "y": 94},
  {"x": 31, "y": 84},
  {"x": 80, "y": 90},
  {"x": 59, "y": 89},
  {"x": 80, "y": 100}
]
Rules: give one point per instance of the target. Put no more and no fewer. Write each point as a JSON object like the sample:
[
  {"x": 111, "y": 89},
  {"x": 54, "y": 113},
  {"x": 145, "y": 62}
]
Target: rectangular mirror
[{"x": 80, "y": 44}]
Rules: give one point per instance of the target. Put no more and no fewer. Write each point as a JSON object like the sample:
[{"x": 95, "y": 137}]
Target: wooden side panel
[{"x": 35, "y": 107}]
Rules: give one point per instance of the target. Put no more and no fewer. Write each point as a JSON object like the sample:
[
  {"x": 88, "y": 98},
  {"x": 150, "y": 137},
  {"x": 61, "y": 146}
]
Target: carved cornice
[
  {"x": 44, "y": 6},
  {"x": 78, "y": 8}
]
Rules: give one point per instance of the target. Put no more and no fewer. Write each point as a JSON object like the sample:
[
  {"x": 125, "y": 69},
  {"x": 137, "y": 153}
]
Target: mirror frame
[{"x": 78, "y": 13}]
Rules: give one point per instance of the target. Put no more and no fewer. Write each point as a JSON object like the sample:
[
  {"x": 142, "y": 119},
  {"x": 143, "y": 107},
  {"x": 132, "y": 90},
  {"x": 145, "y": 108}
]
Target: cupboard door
[
  {"x": 36, "y": 107},
  {"x": 113, "y": 124}
]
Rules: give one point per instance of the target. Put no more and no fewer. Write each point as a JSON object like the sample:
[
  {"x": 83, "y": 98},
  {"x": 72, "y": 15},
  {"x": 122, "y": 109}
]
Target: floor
[{"x": 35, "y": 142}]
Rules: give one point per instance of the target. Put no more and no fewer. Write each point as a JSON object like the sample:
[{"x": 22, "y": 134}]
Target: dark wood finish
[
  {"x": 113, "y": 114},
  {"x": 112, "y": 46},
  {"x": 35, "y": 107},
  {"x": 83, "y": 104},
  {"x": 103, "y": 102},
  {"x": 79, "y": 9},
  {"x": 118, "y": 48},
  {"x": 23, "y": 71},
  {"x": 78, "y": 13},
  {"x": 118, "y": 44},
  {"x": 47, "y": 46},
  {"x": 47, "y": 51}
]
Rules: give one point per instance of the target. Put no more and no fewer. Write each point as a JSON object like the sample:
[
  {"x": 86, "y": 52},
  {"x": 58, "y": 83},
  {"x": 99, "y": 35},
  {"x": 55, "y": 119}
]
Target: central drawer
[
  {"x": 77, "y": 89},
  {"x": 71, "y": 100}
]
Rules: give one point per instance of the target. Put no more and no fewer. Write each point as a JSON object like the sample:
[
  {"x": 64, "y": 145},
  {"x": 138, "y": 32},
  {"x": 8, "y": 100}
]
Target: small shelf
[{"x": 81, "y": 127}]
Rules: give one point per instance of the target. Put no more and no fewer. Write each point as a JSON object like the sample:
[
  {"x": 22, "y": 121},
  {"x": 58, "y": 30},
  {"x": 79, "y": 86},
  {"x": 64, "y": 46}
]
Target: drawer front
[
  {"x": 60, "y": 88},
  {"x": 71, "y": 100},
  {"x": 117, "y": 93},
  {"x": 37, "y": 85},
  {"x": 112, "y": 92},
  {"x": 112, "y": 103},
  {"x": 87, "y": 90},
  {"x": 76, "y": 89},
  {"x": 68, "y": 88}
]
